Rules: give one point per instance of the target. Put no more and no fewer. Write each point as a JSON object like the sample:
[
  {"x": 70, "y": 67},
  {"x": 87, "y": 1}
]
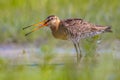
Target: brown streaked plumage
[{"x": 71, "y": 29}]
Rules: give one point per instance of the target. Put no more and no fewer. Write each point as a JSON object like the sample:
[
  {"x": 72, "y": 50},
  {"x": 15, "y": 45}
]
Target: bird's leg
[
  {"x": 80, "y": 54},
  {"x": 76, "y": 48}
]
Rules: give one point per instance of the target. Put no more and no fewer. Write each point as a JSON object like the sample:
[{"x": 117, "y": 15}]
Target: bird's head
[{"x": 51, "y": 21}]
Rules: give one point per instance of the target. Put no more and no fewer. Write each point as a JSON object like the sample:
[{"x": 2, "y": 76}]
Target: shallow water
[{"x": 32, "y": 54}]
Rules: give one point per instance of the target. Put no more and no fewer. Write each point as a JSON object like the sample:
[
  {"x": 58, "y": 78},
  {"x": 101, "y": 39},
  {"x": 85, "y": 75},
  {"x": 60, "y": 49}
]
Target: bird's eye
[{"x": 51, "y": 18}]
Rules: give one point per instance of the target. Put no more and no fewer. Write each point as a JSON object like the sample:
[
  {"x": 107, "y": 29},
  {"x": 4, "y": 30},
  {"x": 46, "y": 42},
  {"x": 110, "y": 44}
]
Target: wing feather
[{"x": 78, "y": 28}]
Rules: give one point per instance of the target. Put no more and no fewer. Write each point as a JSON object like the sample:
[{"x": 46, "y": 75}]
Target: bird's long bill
[{"x": 39, "y": 25}]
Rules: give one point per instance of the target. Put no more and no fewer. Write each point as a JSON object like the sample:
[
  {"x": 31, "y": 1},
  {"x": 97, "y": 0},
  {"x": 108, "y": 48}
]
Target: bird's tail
[
  {"x": 108, "y": 29},
  {"x": 104, "y": 28}
]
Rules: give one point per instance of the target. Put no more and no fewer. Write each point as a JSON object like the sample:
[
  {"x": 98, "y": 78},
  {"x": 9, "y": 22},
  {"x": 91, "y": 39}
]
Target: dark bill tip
[
  {"x": 27, "y": 27},
  {"x": 28, "y": 33}
]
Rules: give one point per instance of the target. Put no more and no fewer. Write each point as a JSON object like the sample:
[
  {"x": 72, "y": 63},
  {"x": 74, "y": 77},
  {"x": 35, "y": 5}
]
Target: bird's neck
[{"x": 55, "y": 26}]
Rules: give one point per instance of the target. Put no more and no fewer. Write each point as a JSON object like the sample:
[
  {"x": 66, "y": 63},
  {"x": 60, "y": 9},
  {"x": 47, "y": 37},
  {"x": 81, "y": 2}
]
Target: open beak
[{"x": 39, "y": 25}]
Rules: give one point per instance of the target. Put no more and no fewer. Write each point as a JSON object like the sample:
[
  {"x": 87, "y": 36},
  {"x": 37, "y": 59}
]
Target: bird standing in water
[{"x": 73, "y": 29}]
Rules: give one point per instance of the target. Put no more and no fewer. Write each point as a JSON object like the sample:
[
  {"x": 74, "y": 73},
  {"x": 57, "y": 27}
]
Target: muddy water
[{"x": 32, "y": 54}]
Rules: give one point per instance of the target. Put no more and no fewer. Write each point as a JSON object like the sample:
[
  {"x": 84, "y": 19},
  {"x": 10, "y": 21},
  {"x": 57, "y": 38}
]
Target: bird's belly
[{"x": 60, "y": 35}]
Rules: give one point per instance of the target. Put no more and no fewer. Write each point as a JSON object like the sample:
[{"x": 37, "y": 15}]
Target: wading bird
[{"x": 71, "y": 29}]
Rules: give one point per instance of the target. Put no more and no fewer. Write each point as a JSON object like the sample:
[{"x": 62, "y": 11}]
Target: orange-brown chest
[{"x": 59, "y": 33}]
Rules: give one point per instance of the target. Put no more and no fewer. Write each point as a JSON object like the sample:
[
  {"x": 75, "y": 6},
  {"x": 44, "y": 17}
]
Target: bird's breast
[{"x": 60, "y": 33}]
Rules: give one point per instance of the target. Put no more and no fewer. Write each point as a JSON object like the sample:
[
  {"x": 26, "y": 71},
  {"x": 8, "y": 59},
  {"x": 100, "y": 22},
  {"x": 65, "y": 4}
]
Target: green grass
[
  {"x": 16, "y": 14},
  {"x": 104, "y": 67}
]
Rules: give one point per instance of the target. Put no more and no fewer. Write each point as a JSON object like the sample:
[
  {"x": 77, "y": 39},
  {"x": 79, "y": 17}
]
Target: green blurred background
[{"x": 16, "y": 14}]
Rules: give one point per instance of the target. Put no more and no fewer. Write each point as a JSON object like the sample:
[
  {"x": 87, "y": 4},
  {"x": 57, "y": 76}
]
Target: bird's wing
[{"x": 78, "y": 28}]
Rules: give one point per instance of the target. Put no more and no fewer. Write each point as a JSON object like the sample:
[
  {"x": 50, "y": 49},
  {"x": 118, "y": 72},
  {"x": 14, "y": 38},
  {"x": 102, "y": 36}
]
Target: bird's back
[{"x": 77, "y": 29}]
